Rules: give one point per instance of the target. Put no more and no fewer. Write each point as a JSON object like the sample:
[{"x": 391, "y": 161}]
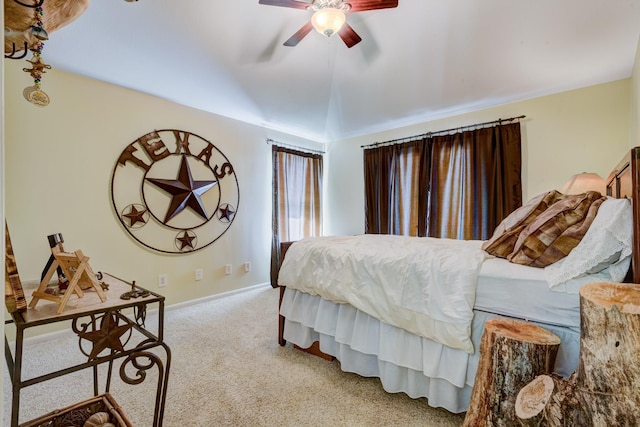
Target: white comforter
[{"x": 424, "y": 285}]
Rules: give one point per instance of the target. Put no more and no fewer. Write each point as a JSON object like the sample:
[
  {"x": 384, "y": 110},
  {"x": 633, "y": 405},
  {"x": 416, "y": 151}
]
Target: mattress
[{"x": 520, "y": 291}]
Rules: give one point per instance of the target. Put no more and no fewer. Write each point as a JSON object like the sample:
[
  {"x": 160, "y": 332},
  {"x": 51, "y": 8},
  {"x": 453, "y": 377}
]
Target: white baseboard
[{"x": 217, "y": 296}]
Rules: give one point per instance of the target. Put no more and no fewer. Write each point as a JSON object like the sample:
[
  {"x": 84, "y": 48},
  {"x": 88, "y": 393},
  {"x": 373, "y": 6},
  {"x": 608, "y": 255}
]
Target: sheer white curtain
[{"x": 406, "y": 192}]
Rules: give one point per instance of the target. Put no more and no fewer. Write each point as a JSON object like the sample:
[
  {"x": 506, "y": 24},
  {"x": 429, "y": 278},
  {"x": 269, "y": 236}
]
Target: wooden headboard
[{"x": 624, "y": 181}]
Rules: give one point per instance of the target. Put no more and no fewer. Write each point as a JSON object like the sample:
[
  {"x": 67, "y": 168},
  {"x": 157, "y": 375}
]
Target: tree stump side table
[{"x": 512, "y": 354}]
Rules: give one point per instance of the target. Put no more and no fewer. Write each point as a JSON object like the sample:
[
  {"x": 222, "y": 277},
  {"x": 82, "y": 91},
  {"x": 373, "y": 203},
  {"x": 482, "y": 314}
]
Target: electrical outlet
[
  {"x": 162, "y": 280},
  {"x": 199, "y": 274},
  {"x": 227, "y": 269},
  {"x": 247, "y": 267}
]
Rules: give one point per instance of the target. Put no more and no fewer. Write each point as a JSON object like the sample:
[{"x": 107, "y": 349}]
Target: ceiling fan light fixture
[{"x": 328, "y": 21}]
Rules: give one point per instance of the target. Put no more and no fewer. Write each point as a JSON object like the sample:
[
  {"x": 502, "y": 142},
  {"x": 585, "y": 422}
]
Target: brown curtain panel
[
  {"x": 297, "y": 196},
  {"x": 393, "y": 194},
  {"x": 453, "y": 186},
  {"x": 475, "y": 181}
]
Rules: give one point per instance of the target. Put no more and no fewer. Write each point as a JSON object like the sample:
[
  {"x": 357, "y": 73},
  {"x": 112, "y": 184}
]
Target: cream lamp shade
[
  {"x": 328, "y": 21},
  {"x": 583, "y": 182}
]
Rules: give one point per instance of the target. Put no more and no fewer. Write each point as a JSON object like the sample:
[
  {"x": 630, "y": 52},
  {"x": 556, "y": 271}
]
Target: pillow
[
  {"x": 556, "y": 231},
  {"x": 506, "y": 234},
  {"x": 605, "y": 249}
]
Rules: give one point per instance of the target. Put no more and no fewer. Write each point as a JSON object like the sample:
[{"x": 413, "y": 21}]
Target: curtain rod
[
  {"x": 438, "y": 132},
  {"x": 294, "y": 147}
]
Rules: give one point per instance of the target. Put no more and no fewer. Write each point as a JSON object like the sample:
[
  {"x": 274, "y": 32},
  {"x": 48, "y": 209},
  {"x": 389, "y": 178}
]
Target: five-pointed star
[
  {"x": 226, "y": 212},
  {"x": 135, "y": 216},
  {"x": 186, "y": 240},
  {"x": 186, "y": 192},
  {"x": 108, "y": 336}
]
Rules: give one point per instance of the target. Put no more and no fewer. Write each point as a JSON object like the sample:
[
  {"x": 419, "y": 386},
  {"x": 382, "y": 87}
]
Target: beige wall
[
  {"x": 563, "y": 134},
  {"x": 59, "y": 161}
]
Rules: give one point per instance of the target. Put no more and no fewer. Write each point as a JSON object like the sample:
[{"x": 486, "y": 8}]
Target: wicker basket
[{"x": 77, "y": 414}]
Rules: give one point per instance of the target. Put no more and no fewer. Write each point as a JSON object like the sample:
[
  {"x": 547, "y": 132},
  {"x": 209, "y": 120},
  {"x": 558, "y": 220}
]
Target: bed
[{"x": 419, "y": 360}]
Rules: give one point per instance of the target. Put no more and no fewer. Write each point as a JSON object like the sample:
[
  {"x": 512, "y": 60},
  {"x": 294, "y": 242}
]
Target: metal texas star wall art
[{"x": 174, "y": 191}]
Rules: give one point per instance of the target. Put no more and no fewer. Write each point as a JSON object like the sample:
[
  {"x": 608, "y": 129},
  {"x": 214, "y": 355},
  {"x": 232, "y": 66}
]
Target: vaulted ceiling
[{"x": 423, "y": 60}]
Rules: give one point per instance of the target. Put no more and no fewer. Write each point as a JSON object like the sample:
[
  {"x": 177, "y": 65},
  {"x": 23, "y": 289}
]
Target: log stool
[
  {"x": 512, "y": 354},
  {"x": 604, "y": 389}
]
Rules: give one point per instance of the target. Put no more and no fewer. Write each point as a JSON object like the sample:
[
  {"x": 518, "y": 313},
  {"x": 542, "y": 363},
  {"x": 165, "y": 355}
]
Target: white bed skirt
[{"x": 404, "y": 362}]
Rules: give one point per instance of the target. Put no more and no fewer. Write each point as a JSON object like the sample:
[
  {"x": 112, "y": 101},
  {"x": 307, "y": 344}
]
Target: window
[
  {"x": 456, "y": 186},
  {"x": 297, "y": 199}
]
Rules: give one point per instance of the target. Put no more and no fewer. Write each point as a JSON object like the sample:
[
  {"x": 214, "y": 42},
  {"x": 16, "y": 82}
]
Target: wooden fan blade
[
  {"x": 349, "y": 36},
  {"x": 299, "y": 35},
  {"x": 362, "y": 5},
  {"x": 285, "y": 3}
]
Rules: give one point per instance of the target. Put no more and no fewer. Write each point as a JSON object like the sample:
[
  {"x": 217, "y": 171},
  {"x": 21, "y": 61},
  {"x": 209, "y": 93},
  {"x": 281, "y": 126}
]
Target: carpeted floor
[{"x": 228, "y": 370}]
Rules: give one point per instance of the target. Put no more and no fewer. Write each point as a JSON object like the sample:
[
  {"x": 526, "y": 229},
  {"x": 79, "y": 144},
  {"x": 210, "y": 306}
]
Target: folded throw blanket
[{"x": 546, "y": 229}]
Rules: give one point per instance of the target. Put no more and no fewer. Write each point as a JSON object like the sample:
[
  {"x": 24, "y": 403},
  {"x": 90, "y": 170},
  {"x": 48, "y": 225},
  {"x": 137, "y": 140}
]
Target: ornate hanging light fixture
[{"x": 329, "y": 16}]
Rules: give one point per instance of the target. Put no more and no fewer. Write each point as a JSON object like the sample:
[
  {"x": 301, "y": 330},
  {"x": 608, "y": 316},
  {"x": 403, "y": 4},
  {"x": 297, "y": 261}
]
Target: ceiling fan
[{"x": 329, "y": 16}]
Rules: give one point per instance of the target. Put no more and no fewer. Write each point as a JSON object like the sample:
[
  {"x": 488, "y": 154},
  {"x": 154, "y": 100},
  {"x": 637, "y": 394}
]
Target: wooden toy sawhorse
[{"x": 76, "y": 268}]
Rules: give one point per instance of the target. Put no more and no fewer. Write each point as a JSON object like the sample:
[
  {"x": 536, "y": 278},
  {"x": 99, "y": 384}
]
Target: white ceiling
[{"x": 423, "y": 60}]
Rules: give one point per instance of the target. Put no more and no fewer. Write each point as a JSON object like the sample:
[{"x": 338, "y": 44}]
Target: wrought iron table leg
[{"x": 16, "y": 378}]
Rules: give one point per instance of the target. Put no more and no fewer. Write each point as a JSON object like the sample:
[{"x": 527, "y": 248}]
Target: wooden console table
[{"x": 88, "y": 316}]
